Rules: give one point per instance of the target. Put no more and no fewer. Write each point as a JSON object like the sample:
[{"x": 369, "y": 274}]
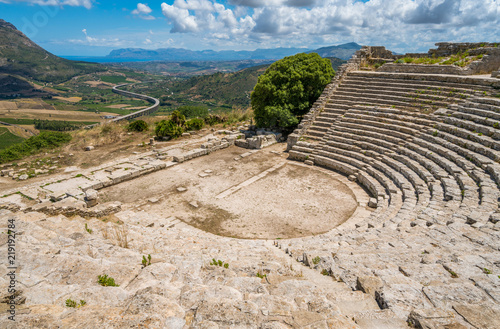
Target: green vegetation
[
  {"x": 55, "y": 125},
  {"x": 219, "y": 263},
  {"x": 138, "y": 125},
  {"x": 193, "y": 111},
  {"x": 316, "y": 260},
  {"x": 325, "y": 272},
  {"x": 453, "y": 274},
  {"x": 262, "y": 276},
  {"x": 106, "y": 281},
  {"x": 146, "y": 262},
  {"x": 288, "y": 88},
  {"x": 45, "y": 141},
  {"x": 89, "y": 231},
  {"x": 195, "y": 124},
  {"x": 8, "y": 139},
  {"x": 116, "y": 79},
  {"x": 73, "y": 304},
  {"x": 486, "y": 271},
  {"x": 168, "y": 128}
]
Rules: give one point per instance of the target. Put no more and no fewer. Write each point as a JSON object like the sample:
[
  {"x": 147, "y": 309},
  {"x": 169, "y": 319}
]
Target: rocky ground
[{"x": 150, "y": 235}]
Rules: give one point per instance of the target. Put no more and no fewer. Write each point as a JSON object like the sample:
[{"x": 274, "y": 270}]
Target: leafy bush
[
  {"x": 193, "y": 111},
  {"x": 45, "y": 140},
  {"x": 213, "y": 119},
  {"x": 195, "y": 124},
  {"x": 288, "y": 88},
  {"x": 106, "y": 281},
  {"x": 178, "y": 118},
  {"x": 138, "y": 125},
  {"x": 168, "y": 128}
]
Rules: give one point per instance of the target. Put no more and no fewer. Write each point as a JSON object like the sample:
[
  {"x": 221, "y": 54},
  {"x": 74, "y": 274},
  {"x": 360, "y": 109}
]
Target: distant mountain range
[{"x": 344, "y": 52}]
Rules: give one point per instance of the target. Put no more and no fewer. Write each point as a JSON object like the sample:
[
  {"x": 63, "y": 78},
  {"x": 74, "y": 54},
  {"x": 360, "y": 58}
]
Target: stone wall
[
  {"x": 449, "y": 48},
  {"x": 489, "y": 63}
]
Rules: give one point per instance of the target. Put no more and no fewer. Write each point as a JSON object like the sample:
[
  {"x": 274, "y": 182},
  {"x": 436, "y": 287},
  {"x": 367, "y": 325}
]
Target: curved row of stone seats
[
  {"x": 381, "y": 158},
  {"x": 408, "y": 91},
  {"x": 472, "y": 189},
  {"x": 466, "y": 185}
]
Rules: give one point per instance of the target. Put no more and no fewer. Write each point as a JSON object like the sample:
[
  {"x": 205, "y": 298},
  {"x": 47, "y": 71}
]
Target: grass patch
[
  {"x": 8, "y": 139},
  {"x": 45, "y": 141}
]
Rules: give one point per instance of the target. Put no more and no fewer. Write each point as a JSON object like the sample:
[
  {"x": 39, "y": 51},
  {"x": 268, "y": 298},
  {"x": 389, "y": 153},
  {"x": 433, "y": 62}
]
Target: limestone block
[
  {"x": 179, "y": 159},
  {"x": 91, "y": 198},
  {"x": 432, "y": 318},
  {"x": 368, "y": 284},
  {"x": 480, "y": 316},
  {"x": 372, "y": 203},
  {"x": 241, "y": 143}
]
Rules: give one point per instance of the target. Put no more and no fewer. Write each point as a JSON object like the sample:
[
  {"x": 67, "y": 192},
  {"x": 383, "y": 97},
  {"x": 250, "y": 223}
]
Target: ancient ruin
[{"x": 383, "y": 213}]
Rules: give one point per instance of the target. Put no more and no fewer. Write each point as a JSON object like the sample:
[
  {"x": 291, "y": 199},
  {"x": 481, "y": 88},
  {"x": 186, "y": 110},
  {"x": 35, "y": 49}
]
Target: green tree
[{"x": 288, "y": 88}]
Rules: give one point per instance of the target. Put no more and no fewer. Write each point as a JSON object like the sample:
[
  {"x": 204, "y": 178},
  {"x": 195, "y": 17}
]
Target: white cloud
[
  {"x": 143, "y": 11},
  {"x": 400, "y": 24},
  {"x": 101, "y": 42},
  {"x": 74, "y": 3}
]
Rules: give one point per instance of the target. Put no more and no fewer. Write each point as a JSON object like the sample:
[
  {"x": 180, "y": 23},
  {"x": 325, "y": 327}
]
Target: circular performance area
[{"x": 259, "y": 196}]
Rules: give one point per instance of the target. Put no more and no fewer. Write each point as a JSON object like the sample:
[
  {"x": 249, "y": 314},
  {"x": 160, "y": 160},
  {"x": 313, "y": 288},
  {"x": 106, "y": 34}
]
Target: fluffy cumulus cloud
[
  {"x": 74, "y": 3},
  {"x": 400, "y": 24},
  {"x": 143, "y": 11}
]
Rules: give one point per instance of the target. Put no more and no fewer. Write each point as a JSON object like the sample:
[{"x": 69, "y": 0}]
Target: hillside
[
  {"x": 344, "y": 51},
  {"x": 223, "y": 88},
  {"x": 19, "y": 55},
  {"x": 229, "y": 89}
]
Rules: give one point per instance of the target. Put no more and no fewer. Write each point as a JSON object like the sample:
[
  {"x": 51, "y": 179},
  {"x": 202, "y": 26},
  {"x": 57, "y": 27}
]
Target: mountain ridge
[
  {"x": 344, "y": 52},
  {"x": 21, "y": 56}
]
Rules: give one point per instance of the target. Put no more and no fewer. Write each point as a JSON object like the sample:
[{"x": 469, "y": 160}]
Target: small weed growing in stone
[
  {"x": 486, "y": 271},
  {"x": 146, "y": 262},
  {"x": 316, "y": 260},
  {"x": 262, "y": 276},
  {"x": 453, "y": 274},
  {"x": 325, "y": 272},
  {"x": 219, "y": 263},
  {"x": 89, "y": 231},
  {"x": 106, "y": 281},
  {"x": 72, "y": 303},
  {"x": 435, "y": 133}
]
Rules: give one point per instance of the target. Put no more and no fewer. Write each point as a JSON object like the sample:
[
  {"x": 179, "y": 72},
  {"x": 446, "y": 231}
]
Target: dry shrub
[{"x": 121, "y": 236}]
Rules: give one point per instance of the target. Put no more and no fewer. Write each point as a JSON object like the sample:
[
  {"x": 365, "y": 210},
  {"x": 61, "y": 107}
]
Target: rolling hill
[
  {"x": 226, "y": 88},
  {"x": 21, "y": 56}
]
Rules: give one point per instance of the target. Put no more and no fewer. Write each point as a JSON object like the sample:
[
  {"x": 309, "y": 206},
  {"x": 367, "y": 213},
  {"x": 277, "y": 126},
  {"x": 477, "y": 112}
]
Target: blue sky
[{"x": 95, "y": 27}]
